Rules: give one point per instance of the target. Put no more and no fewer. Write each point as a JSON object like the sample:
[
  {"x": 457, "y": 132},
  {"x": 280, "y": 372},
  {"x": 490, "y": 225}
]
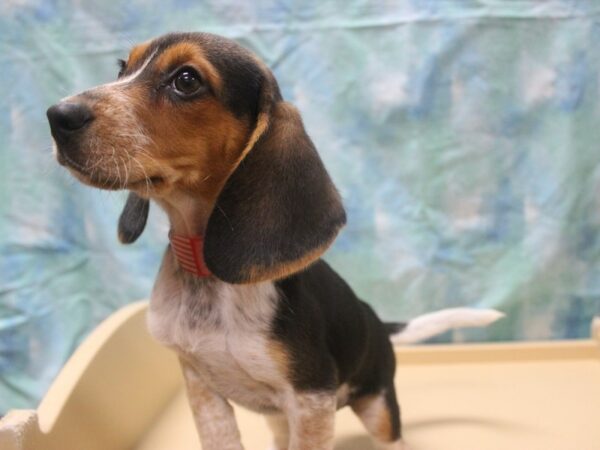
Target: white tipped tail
[{"x": 432, "y": 324}]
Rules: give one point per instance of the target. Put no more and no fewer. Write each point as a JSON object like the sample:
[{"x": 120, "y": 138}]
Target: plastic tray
[{"x": 122, "y": 390}]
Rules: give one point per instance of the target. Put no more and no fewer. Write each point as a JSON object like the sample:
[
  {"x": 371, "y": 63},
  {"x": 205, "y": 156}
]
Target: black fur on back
[{"x": 333, "y": 336}]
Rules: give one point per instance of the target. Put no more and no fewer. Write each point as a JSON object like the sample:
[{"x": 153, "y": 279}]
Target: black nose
[{"x": 66, "y": 118}]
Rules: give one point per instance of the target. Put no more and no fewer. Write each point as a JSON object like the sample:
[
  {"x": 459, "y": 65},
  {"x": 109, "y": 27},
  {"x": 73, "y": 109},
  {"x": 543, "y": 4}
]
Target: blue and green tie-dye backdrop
[{"x": 464, "y": 136}]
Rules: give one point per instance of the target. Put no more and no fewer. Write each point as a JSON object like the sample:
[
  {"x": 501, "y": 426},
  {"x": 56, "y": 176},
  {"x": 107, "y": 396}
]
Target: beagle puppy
[{"x": 197, "y": 124}]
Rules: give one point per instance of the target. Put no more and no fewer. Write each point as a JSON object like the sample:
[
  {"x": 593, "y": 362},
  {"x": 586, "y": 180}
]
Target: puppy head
[
  {"x": 175, "y": 119},
  {"x": 197, "y": 113}
]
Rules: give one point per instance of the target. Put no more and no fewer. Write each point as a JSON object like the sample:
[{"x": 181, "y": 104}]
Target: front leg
[
  {"x": 278, "y": 423},
  {"x": 214, "y": 417},
  {"x": 311, "y": 417}
]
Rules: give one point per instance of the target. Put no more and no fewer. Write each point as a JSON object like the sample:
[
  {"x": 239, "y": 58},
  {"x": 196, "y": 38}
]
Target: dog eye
[{"x": 187, "y": 82}]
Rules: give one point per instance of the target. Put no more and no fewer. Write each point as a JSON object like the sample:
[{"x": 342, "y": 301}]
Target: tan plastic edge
[
  {"x": 596, "y": 329},
  {"x": 61, "y": 389},
  {"x": 18, "y": 429},
  {"x": 123, "y": 339}
]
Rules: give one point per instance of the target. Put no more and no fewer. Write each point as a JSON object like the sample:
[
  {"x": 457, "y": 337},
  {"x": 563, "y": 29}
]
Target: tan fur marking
[
  {"x": 280, "y": 428},
  {"x": 136, "y": 53},
  {"x": 385, "y": 425},
  {"x": 278, "y": 353},
  {"x": 262, "y": 121},
  {"x": 375, "y": 415},
  {"x": 194, "y": 145},
  {"x": 261, "y": 125},
  {"x": 260, "y": 273},
  {"x": 188, "y": 53}
]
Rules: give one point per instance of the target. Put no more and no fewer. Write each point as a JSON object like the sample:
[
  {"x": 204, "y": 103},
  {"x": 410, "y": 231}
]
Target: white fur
[
  {"x": 213, "y": 415},
  {"x": 308, "y": 422},
  {"x": 221, "y": 331},
  {"x": 432, "y": 324},
  {"x": 120, "y": 82},
  {"x": 129, "y": 78},
  {"x": 115, "y": 154},
  {"x": 311, "y": 417}
]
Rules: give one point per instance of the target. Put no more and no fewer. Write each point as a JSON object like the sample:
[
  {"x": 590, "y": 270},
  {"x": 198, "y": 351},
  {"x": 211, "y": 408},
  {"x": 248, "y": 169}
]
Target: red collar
[{"x": 189, "y": 252}]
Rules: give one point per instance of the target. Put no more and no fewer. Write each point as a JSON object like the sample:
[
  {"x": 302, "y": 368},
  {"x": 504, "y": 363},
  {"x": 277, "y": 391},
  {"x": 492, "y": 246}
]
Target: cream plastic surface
[{"x": 122, "y": 390}]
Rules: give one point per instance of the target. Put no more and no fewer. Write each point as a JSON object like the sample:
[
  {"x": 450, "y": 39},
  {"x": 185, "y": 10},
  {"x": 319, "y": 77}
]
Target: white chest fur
[{"x": 222, "y": 331}]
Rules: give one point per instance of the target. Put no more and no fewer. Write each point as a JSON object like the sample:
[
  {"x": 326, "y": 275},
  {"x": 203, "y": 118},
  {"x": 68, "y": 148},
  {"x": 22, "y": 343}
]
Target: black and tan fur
[{"x": 274, "y": 328}]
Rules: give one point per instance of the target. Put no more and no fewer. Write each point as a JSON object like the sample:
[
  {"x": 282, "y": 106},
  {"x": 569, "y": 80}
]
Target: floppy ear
[
  {"x": 278, "y": 211},
  {"x": 133, "y": 218}
]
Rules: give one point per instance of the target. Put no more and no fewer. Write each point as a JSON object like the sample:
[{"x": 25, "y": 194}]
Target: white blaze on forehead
[{"x": 129, "y": 78}]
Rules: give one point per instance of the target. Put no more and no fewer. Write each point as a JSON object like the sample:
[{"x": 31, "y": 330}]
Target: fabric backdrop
[{"x": 463, "y": 136}]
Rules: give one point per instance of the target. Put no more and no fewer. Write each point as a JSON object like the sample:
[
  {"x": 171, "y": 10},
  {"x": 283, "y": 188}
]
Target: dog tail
[{"x": 431, "y": 324}]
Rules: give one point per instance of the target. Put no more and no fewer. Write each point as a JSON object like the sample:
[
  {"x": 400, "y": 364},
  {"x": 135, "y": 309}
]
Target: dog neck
[{"x": 188, "y": 217}]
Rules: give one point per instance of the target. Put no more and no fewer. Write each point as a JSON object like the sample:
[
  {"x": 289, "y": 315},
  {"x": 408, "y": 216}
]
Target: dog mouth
[
  {"x": 150, "y": 183},
  {"x": 102, "y": 181}
]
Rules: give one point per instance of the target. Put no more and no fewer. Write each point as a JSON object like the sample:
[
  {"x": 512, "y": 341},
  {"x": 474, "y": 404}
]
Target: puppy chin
[
  {"x": 61, "y": 157},
  {"x": 88, "y": 181},
  {"x": 63, "y": 161},
  {"x": 96, "y": 180},
  {"x": 144, "y": 188},
  {"x": 100, "y": 179}
]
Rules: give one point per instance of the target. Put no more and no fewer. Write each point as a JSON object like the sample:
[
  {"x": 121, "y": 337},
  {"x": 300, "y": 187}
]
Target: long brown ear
[
  {"x": 133, "y": 218},
  {"x": 278, "y": 211}
]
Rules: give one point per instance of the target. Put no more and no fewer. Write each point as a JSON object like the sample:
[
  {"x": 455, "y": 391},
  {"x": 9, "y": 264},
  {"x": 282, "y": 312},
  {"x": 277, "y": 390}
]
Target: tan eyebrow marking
[
  {"x": 136, "y": 53},
  {"x": 189, "y": 53},
  {"x": 132, "y": 76}
]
